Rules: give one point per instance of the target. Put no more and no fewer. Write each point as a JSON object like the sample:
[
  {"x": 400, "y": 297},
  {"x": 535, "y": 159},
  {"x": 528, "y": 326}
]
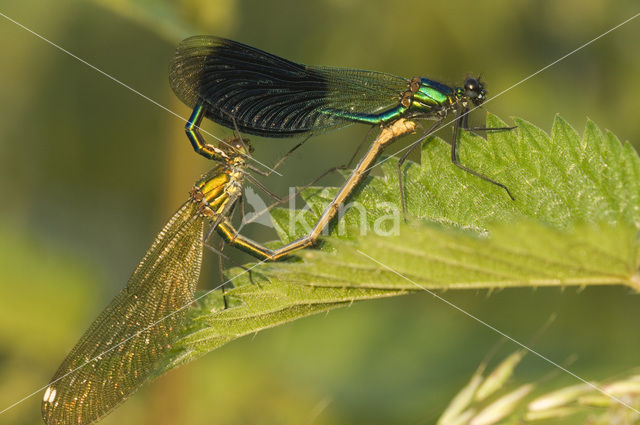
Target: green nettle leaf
[{"x": 574, "y": 221}]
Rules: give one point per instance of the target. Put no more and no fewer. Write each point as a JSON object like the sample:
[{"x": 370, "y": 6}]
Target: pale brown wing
[{"x": 121, "y": 348}]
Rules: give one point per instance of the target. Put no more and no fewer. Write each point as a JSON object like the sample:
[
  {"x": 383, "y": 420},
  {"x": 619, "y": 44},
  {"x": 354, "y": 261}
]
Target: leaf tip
[
  {"x": 495, "y": 121},
  {"x": 560, "y": 123}
]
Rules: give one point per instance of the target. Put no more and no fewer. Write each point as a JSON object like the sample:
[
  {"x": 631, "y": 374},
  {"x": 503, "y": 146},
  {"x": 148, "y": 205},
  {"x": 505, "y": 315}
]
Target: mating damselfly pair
[{"x": 256, "y": 93}]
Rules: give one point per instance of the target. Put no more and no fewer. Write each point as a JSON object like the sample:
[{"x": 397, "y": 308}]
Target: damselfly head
[{"x": 474, "y": 90}]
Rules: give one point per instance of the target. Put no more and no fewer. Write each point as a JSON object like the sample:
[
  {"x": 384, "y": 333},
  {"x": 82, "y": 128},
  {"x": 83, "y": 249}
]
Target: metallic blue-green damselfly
[{"x": 270, "y": 96}]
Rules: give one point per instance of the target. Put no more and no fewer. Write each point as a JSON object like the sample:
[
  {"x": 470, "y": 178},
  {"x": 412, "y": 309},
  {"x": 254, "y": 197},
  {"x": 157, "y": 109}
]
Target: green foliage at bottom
[{"x": 574, "y": 222}]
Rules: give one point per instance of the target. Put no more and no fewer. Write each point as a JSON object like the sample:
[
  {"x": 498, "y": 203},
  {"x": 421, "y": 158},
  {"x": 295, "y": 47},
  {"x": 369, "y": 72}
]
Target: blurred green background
[{"x": 90, "y": 171}]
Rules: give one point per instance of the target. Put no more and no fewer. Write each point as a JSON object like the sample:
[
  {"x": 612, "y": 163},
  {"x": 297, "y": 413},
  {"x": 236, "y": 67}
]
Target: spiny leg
[
  {"x": 279, "y": 200},
  {"x": 223, "y": 282},
  {"x": 276, "y": 198},
  {"x": 465, "y": 118},
  {"x": 282, "y": 159},
  {"x": 286, "y": 155},
  {"x": 218, "y": 252},
  {"x": 246, "y": 269},
  {"x": 362, "y": 142},
  {"x": 465, "y": 124},
  {"x": 386, "y": 136},
  {"x": 404, "y": 157},
  {"x": 263, "y": 188},
  {"x": 454, "y": 154},
  {"x": 490, "y": 128},
  {"x": 300, "y": 189},
  {"x": 221, "y": 256}
]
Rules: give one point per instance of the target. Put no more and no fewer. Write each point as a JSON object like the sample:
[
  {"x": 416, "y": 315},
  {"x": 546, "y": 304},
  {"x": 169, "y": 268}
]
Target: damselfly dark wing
[
  {"x": 122, "y": 347},
  {"x": 270, "y": 96}
]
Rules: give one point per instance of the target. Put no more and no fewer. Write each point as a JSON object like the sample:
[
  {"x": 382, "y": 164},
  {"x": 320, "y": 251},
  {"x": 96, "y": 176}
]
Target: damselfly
[
  {"x": 270, "y": 96},
  {"x": 123, "y": 346}
]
